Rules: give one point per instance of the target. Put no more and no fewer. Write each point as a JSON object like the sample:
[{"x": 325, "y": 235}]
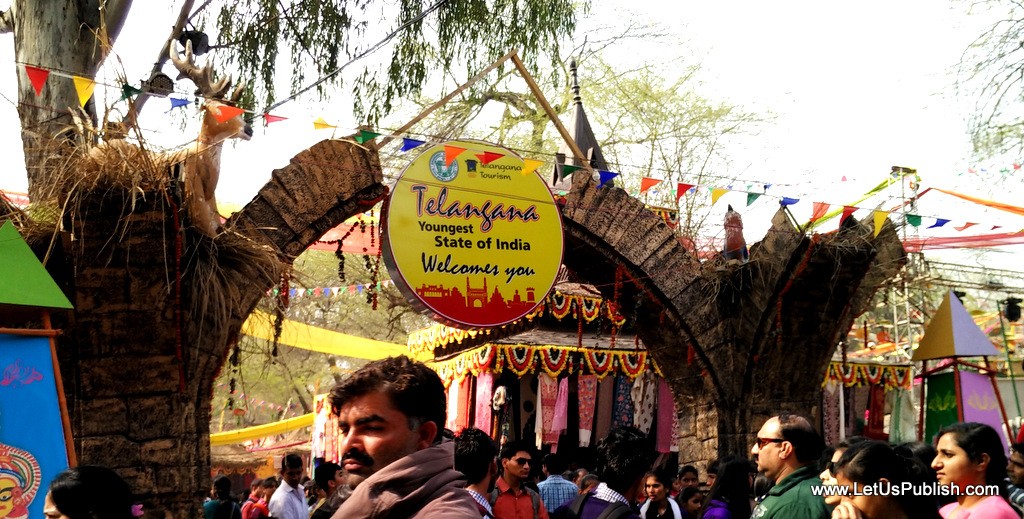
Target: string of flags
[
  {"x": 818, "y": 210},
  {"x": 85, "y": 87}
]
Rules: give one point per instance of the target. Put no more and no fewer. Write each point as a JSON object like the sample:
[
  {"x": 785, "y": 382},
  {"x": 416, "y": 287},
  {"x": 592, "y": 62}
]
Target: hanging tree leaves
[{"x": 323, "y": 36}]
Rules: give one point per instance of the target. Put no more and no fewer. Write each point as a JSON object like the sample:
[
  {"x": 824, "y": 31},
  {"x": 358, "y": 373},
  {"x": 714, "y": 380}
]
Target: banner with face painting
[{"x": 32, "y": 446}]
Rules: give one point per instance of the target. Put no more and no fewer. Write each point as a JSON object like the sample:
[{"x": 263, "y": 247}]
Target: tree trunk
[
  {"x": 158, "y": 306},
  {"x": 55, "y": 35}
]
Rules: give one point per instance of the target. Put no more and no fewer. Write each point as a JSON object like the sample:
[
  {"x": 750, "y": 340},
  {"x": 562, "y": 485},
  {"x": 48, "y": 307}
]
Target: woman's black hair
[
  {"x": 871, "y": 461},
  {"x": 977, "y": 439},
  {"x": 661, "y": 476},
  {"x": 91, "y": 492},
  {"x": 732, "y": 487}
]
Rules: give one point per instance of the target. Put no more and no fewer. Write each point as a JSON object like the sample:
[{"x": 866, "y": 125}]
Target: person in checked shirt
[{"x": 555, "y": 490}]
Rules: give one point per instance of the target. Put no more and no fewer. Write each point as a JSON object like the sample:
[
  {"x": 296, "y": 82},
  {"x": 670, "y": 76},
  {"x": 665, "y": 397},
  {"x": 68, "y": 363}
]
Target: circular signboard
[{"x": 469, "y": 238}]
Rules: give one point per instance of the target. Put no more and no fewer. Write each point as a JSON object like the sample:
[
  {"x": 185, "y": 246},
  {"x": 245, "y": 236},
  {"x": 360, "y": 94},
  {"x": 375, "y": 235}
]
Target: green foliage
[{"x": 320, "y": 36}]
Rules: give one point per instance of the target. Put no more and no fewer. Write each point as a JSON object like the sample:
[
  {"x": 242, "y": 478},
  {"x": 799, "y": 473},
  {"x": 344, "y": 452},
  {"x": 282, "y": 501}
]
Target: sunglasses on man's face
[
  {"x": 522, "y": 461},
  {"x": 763, "y": 442}
]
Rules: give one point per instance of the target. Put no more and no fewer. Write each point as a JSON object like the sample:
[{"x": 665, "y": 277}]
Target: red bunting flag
[
  {"x": 451, "y": 153},
  {"x": 647, "y": 183},
  {"x": 965, "y": 226},
  {"x": 847, "y": 211},
  {"x": 38, "y": 77},
  {"x": 267, "y": 118},
  {"x": 820, "y": 208},
  {"x": 226, "y": 112},
  {"x": 488, "y": 157},
  {"x": 681, "y": 190}
]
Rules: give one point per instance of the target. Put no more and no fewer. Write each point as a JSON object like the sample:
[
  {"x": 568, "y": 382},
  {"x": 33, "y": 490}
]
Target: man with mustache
[{"x": 391, "y": 414}]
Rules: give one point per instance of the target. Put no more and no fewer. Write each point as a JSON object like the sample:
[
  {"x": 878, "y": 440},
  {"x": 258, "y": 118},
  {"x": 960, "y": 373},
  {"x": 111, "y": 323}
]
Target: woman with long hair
[
  {"x": 659, "y": 505},
  {"x": 876, "y": 464},
  {"x": 729, "y": 497},
  {"x": 970, "y": 457},
  {"x": 89, "y": 492},
  {"x": 690, "y": 502}
]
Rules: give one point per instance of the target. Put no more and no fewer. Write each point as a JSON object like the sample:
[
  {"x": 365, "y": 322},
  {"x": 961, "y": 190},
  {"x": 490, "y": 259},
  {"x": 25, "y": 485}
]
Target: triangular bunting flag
[
  {"x": 226, "y": 113},
  {"x": 939, "y": 222},
  {"x": 177, "y": 102},
  {"x": 451, "y": 153},
  {"x": 848, "y": 210},
  {"x": 952, "y": 333},
  {"x": 321, "y": 124},
  {"x": 530, "y": 165},
  {"x": 994, "y": 227},
  {"x": 128, "y": 92},
  {"x": 820, "y": 208},
  {"x": 682, "y": 189},
  {"x": 268, "y": 118},
  {"x": 752, "y": 197},
  {"x": 716, "y": 193},
  {"x": 408, "y": 144},
  {"x": 37, "y": 76},
  {"x": 83, "y": 87},
  {"x": 914, "y": 219},
  {"x": 488, "y": 157},
  {"x": 569, "y": 169},
  {"x": 25, "y": 282},
  {"x": 606, "y": 176},
  {"x": 647, "y": 183},
  {"x": 786, "y": 201},
  {"x": 366, "y": 135},
  {"x": 879, "y": 217},
  {"x": 965, "y": 226},
  {"x": 766, "y": 186}
]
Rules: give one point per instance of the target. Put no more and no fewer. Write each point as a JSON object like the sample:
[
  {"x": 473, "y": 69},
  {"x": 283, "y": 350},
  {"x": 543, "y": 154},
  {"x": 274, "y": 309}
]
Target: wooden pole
[
  {"x": 959, "y": 395},
  {"x": 569, "y": 141},
  {"x": 444, "y": 100},
  {"x": 69, "y": 441},
  {"x": 922, "y": 403},
  {"x": 30, "y": 332}
]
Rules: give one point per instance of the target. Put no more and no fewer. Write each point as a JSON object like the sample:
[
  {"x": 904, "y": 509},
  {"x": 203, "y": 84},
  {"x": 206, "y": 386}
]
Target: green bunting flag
[
  {"x": 366, "y": 135},
  {"x": 569, "y": 169},
  {"x": 752, "y": 197},
  {"x": 128, "y": 92},
  {"x": 914, "y": 219}
]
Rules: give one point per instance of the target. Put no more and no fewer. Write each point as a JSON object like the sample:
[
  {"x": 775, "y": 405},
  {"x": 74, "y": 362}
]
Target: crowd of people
[{"x": 399, "y": 462}]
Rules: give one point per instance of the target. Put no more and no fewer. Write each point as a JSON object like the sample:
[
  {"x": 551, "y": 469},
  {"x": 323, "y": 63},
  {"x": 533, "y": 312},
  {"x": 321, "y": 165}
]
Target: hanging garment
[
  {"x": 484, "y": 396},
  {"x": 605, "y": 407},
  {"x": 452, "y": 414},
  {"x": 902, "y": 418},
  {"x": 587, "y": 391},
  {"x": 548, "y": 397},
  {"x": 622, "y": 410},
  {"x": 465, "y": 403},
  {"x": 666, "y": 417},
  {"x": 645, "y": 394}
]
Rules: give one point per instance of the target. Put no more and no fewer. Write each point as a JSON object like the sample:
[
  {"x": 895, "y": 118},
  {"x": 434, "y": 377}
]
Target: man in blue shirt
[{"x": 555, "y": 490}]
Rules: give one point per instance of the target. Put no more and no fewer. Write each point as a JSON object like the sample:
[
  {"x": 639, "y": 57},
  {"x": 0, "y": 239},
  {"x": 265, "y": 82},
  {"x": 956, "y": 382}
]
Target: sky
[{"x": 853, "y": 89}]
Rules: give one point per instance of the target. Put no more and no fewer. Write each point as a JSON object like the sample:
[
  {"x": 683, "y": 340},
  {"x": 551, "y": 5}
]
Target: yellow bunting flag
[
  {"x": 321, "y": 124},
  {"x": 880, "y": 217},
  {"x": 226, "y": 113},
  {"x": 716, "y": 193},
  {"x": 84, "y": 87},
  {"x": 530, "y": 165}
]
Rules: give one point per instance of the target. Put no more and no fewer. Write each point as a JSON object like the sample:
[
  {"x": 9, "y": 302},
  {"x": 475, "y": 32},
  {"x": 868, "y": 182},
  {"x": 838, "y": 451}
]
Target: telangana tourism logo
[
  {"x": 471, "y": 252},
  {"x": 441, "y": 171}
]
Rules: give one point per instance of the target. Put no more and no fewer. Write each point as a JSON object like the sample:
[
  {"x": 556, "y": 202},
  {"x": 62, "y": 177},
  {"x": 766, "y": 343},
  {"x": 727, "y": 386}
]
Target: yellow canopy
[
  {"x": 261, "y": 431},
  {"x": 298, "y": 335}
]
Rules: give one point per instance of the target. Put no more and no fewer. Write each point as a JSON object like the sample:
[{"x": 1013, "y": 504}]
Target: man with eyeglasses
[
  {"x": 787, "y": 448},
  {"x": 511, "y": 499},
  {"x": 1015, "y": 474}
]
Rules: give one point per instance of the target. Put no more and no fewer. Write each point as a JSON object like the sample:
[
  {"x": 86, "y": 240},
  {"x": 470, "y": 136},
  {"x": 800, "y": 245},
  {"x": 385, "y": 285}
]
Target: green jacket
[{"x": 791, "y": 498}]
